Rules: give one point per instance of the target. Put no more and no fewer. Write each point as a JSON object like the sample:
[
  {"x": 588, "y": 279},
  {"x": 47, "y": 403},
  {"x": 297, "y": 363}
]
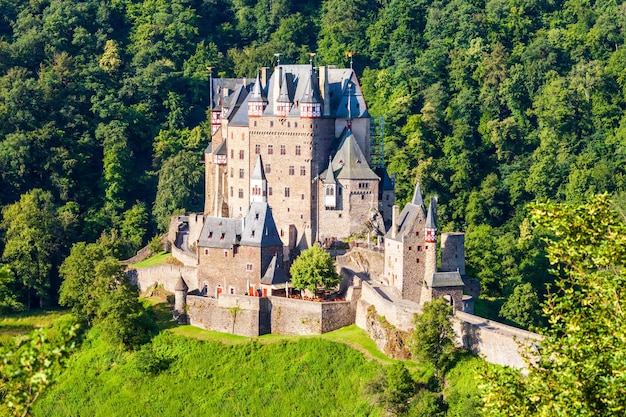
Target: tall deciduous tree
[
  {"x": 31, "y": 242},
  {"x": 433, "y": 334},
  {"x": 312, "y": 269},
  {"x": 579, "y": 369}
]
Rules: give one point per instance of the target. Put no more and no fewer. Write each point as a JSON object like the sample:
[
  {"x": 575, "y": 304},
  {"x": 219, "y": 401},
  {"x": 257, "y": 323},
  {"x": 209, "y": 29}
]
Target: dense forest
[{"x": 492, "y": 104}]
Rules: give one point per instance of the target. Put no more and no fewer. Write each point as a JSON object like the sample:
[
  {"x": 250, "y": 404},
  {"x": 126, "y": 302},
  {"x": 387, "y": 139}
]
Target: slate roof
[
  {"x": 181, "y": 285},
  {"x": 349, "y": 162},
  {"x": 275, "y": 274},
  {"x": 259, "y": 228},
  {"x": 257, "y": 94},
  {"x": 409, "y": 215},
  {"x": 431, "y": 217},
  {"x": 220, "y": 232},
  {"x": 329, "y": 177},
  {"x": 259, "y": 172},
  {"x": 445, "y": 279}
]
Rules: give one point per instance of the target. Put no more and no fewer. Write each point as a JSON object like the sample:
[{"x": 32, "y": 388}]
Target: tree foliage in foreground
[
  {"x": 30, "y": 365},
  {"x": 433, "y": 334},
  {"x": 580, "y": 368},
  {"x": 312, "y": 269}
]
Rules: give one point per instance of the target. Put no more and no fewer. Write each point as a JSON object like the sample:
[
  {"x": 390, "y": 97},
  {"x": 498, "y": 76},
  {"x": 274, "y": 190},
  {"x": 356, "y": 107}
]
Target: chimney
[
  {"x": 323, "y": 79},
  {"x": 394, "y": 221},
  {"x": 278, "y": 79}
]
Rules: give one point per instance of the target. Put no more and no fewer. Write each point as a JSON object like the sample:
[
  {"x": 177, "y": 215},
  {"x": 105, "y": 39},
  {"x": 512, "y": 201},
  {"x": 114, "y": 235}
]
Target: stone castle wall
[
  {"x": 166, "y": 275},
  {"x": 236, "y": 314},
  {"x": 300, "y": 317}
]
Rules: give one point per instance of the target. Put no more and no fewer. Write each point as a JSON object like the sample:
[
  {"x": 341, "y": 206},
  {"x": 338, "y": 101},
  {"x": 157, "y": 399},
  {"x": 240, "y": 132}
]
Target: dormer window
[
  {"x": 210, "y": 235},
  {"x": 222, "y": 236},
  {"x": 256, "y": 216}
]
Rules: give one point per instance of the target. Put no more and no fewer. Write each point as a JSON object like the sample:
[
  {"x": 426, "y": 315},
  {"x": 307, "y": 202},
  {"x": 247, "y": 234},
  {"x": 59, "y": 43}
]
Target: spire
[
  {"x": 417, "y": 196},
  {"x": 283, "y": 96},
  {"x": 330, "y": 175},
  {"x": 431, "y": 222},
  {"x": 259, "y": 172},
  {"x": 257, "y": 91},
  {"x": 258, "y": 182}
]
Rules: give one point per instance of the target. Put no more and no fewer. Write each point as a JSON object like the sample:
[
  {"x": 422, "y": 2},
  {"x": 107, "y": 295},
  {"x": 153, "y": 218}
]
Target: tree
[
  {"x": 522, "y": 306},
  {"x": 180, "y": 187},
  {"x": 312, "y": 269},
  {"x": 9, "y": 300},
  {"x": 393, "y": 388},
  {"x": 579, "y": 368},
  {"x": 31, "y": 241},
  {"x": 433, "y": 336},
  {"x": 29, "y": 366}
]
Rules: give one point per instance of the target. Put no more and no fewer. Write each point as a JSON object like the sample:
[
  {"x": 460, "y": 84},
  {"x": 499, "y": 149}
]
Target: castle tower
[
  {"x": 258, "y": 183},
  {"x": 310, "y": 105},
  {"x": 283, "y": 102},
  {"x": 180, "y": 301},
  {"x": 430, "y": 249}
]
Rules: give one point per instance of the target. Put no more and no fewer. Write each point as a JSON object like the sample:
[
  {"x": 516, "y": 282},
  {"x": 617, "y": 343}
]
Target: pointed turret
[
  {"x": 417, "y": 196},
  {"x": 330, "y": 186},
  {"x": 257, "y": 100},
  {"x": 258, "y": 182},
  {"x": 283, "y": 102},
  {"x": 310, "y": 104},
  {"x": 431, "y": 222}
]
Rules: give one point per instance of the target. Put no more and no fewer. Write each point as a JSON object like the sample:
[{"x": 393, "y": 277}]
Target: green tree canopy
[
  {"x": 579, "y": 369},
  {"x": 312, "y": 269},
  {"x": 433, "y": 336}
]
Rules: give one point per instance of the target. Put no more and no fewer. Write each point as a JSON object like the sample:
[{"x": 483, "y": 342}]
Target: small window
[
  {"x": 292, "y": 170},
  {"x": 298, "y": 150},
  {"x": 301, "y": 196},
  {"x": 241, "y": 193},
  {"x": 417, "y": 233},
  {"x": 232, "y": 154},
  {"x": 222, "y": 236},
  {"x": 419, "y": 248},
  {"x": 287, "y": 191},
  {"x": 288, "y": 124},
  {"x": 206, "y": 251},
  {"x": 248, "y": 267},
  {"x": 225, "y": 254},
  {"x": 257, "y": 150},
  {"x": 295, "y": 124},
  {"x": 210, "y": 235},
  {"x": 268, "y": 168},
  {"x": 271, "y": 124},
  {"x": 270, "y": 149},
  {"x": 243, "y": 136},
  {"x": 283, "y": 150},
  {"x": 232, "y": 172},
  {"x": 231, "y": 192},
  {"x": 418, "y": 260},
  {"x": 241, "y": 172},
  {"x": 241, "y": 153},
  {"x": 302, "y": 170},
  {"x": 270, "y": 191},
  {"x": 410, "y": 247},
  {"x": 255, "y": 123}
]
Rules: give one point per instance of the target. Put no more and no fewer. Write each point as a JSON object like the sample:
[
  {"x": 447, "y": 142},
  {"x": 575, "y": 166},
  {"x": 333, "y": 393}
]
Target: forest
[{"x": 491, "y": 104}]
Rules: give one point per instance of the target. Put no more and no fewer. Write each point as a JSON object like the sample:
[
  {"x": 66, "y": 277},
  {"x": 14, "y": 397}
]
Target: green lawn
[
  {"x": 158, "y": 259},
  {"x": 23, "y": 323}
]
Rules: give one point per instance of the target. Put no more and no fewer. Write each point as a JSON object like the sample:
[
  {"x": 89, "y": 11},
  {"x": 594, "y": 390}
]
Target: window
[
  {"x": 419, "y": 248},
  {"x": 232, "y": 172},
  {"x": 241, "y": 193},
  {"x": 270, "y": 191},
  {"x": 417, "y": 233},
  {"x": 222, "y": 236},
  {"x": 295, "y": 124},
  {"x": 206, "y": 251},
  {"x": 268, "y": 168},
  {"x": 302, "y": 170},
  {"x": 271, "y": 124},
  {"x": 225, "y": 254},
  {"x": 241, "y": 154},
  {"x": 231, "y": 290},
  {"x": 292, "y": 170},
  {"x": 270, "y": 149},
  {"x": 418, "y": 260},
  {"x": 301, "y": 196},
  {"x": 232, "y": 154},
  {"x": 283, "y": 149},
  {"x": 231, "y": 191},
  {"x": 241, "y": 172},
  {"x": 410, "y": 247},
  {"x": 287, "y": 191},
  {"x": 248, "y": 267},
  {"x": 255, "y": 123},
  {"x": 257, "y": 149},
  {"x": 298, "y": 149},
  {"x": 330, "y": 191},
  {"x": 210, "y": 235}
]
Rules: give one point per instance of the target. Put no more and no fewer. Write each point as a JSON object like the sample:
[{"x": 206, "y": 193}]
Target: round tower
[
  {"x": 180, "y": 301},
  {"x": 430, "y": 249}
]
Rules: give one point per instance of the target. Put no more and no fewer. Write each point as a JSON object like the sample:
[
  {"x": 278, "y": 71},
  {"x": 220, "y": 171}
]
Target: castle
[{"x": 288, "y": 166}]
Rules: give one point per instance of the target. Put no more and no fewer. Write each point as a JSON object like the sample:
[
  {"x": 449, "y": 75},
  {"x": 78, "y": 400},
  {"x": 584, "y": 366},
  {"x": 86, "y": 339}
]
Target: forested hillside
[{"x": 491, "y": 104}]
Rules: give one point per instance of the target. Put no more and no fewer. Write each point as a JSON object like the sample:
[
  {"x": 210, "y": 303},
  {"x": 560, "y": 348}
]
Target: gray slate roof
[
  {"x": 349, "y": 162},
  {"x": 411, "y": 213},
  {"x": 259, "y": 228},
  {"x": 275, "y": 273},
  {"x": 445, "y": 279},
  {"x": 220, "y": 232}
]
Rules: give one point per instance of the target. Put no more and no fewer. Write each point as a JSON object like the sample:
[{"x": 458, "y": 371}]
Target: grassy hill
[{"x": 185, "y": 371}]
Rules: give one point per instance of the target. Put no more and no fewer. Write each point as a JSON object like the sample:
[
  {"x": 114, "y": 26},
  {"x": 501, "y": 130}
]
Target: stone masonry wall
[
  {"x": 299, "y": 317},
  {"x": 241, "y": 315},
  {"x": 166, "y": 275}
]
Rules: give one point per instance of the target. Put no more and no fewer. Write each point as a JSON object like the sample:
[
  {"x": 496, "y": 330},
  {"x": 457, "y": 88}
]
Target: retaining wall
[
  {"x": 236, "y": 314},
  {"x": 166, "y": 275}
]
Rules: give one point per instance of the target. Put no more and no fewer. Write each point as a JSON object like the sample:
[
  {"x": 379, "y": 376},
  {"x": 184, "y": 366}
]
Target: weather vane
[
  {"x": 277, "y": 55},
  {"x": 350, "y": 54}
]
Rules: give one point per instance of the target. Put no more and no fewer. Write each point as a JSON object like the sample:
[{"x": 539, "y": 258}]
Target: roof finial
[
  {"x": 350, "y": 54},
  {"x": 277, "y": 55},
  {"x": 311, "y": 55}
]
